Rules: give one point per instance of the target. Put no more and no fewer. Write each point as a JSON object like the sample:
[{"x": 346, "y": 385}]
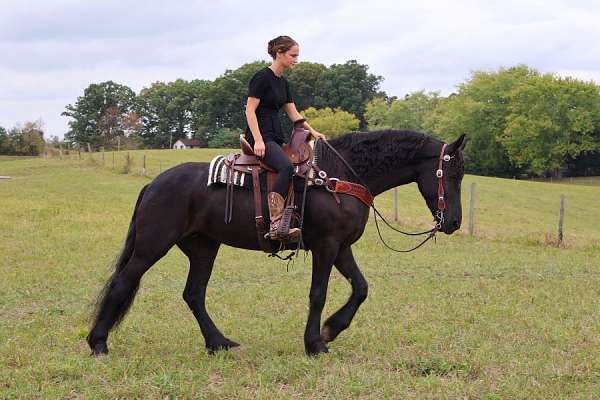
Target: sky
[{"x": 51, "y": 50}]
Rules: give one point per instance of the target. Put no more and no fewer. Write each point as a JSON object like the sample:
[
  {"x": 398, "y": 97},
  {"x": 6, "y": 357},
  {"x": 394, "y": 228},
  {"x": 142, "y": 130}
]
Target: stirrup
[{"x": 291, "y": 236}]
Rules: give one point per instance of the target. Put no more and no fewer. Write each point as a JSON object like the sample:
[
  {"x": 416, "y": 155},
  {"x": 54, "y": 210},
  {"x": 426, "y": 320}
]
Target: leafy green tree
[
  {"x": 5, "y": 144},
  {"x": 347, "y": 86},
  {"x": 330, "y": 122},
  {"x": 226, "y": 138},
  {"x": 224, "y": 102},
  {"x": 166, "y": 111},
  {"x": 97, "y": 114},
  {"x": 27, "y": 139},
  {"x": 376, "y": 114},
  {"x": 480, "y": 110},
  {"x": 552, "y": 120},
  {"x": 304, "y": 82},
  {"x": 408, "y": 113}
]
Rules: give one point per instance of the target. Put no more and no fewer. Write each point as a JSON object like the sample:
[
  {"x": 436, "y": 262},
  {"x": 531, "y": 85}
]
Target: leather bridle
[{"x": 441, "y": 192}]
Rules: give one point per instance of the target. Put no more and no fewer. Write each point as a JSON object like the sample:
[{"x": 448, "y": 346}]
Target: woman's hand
[
  {"x": 316, "y": 135},
  {"x": 259, "y": 148}
]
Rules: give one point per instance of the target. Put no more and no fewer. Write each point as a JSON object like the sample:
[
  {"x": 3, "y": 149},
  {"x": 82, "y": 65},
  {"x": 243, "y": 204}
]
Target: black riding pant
[{"x": 276, "y": 158}]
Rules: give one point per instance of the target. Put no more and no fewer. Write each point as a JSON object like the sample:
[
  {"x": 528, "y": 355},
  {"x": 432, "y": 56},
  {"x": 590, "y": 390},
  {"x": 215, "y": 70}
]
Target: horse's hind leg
[
  {"x": 117, "y": 297},
  {"x": 202, "y": 252},
  {"x": 342, "y": 318}
]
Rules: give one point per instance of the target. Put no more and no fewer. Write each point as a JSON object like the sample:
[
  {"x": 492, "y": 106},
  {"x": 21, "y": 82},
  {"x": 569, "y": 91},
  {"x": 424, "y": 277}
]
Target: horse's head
[{"x": 447, "y": 211}]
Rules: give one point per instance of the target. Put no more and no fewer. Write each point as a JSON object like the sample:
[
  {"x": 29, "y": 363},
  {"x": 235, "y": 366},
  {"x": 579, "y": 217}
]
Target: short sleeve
[
  {"x": 258, "y": 85},
  {"x": 288, "y": 93}
]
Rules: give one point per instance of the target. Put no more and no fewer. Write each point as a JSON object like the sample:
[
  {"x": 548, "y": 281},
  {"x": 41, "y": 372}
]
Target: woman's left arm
[{"x": 294, "y": 115}]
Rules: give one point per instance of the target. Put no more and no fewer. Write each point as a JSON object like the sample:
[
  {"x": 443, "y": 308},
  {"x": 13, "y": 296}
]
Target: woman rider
[{"x": 268, "y": 92}]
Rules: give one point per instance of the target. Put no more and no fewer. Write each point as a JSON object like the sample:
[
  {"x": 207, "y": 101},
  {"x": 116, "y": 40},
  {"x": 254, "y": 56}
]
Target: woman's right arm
[{"x": 259, "y": 144}]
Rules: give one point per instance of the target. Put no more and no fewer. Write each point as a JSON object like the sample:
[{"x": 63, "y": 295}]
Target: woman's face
[{"x": 290, "y": 58}]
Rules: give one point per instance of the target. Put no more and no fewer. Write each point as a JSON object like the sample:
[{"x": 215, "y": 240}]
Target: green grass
[{"x": 498, "y": 315}]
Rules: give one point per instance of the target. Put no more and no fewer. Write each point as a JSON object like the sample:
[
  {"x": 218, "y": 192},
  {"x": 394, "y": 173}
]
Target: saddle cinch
[{"x": 300, "y": 154}]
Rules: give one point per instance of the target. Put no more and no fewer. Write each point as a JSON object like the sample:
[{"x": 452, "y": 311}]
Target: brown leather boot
[{"x": 277, "y": 230}]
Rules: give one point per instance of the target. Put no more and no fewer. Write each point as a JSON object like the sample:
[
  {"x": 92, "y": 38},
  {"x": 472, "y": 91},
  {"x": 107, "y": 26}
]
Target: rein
[{"x": 439, "y": 215}]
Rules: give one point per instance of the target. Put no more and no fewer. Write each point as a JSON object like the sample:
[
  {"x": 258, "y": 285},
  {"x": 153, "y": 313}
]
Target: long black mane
[{"x": 371, "y": 153}]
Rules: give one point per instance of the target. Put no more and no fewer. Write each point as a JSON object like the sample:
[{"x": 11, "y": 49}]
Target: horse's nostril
[{"x": 456, "y": 224}]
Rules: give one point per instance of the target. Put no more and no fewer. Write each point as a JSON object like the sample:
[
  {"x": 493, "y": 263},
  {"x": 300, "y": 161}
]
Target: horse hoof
[
  {"x": 224, "y": 344},
  {"x": 316, "y": 348},
  {"x": 99, "y": 349}
]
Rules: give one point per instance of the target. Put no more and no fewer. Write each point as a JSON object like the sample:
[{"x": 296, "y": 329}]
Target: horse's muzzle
[{"x": 450, "y": 227}]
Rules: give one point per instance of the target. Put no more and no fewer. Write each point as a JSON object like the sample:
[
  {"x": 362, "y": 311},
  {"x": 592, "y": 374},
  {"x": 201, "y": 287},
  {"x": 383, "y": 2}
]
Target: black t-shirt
[{"x": 273, "y": 92}]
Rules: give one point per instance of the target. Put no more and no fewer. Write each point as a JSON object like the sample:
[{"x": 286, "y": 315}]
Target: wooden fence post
[
  {"x": 472, "y": 210},
  {"x": 113, "y": 153},
  {"x": 102, "y": 155},
  {"x": 395, "y": 204},
  {"x": 144, "y": 169},
  {"x": 561, "y": 219}
]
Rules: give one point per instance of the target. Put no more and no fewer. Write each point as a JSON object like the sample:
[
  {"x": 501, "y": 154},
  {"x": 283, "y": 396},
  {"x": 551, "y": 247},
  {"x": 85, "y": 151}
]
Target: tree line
[
  {"x": 23, "y": 139},
  {"x": 212, "y": 111},
  {"x": 519, "y": 122}
]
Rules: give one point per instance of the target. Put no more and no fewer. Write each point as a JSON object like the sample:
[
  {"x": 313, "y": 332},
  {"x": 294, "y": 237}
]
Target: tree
[
  {"x": 224, "y": 101},
  {"x": 226, "y": 138},
  {"x": 304, "y": 82},
  {"x": 166, "y": 111},
  {"x": 408, "y": 113},
  {"x": 553, "y": 120},
  {"x": 27, "y": 139},
  {"x": 330, "y": 122},
  {"x": 5, "y": 144},
  {"x": 347, "y": 86},
  {"x": 479, "y": 110},
  {"x": 97, "y": 114}
]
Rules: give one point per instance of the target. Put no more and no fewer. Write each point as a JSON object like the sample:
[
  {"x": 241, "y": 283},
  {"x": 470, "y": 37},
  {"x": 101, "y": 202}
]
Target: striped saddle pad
[{"x": 217, "y": 173}]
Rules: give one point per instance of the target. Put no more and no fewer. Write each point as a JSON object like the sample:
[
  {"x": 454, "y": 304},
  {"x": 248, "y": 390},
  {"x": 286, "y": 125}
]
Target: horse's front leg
[
  {"x": 323, "y": 258},
  {"x": 202, "y": 252},
  {"x": 342, "y": 318}
]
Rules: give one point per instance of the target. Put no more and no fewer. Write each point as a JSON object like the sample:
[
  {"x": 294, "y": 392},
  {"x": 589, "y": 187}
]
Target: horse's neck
[
  {"x": 378, "y": 180},
  {"x": 391, "y": 179}
]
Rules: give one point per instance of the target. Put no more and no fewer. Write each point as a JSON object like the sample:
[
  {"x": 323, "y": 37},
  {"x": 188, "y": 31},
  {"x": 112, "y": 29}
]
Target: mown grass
[{"x": 498, "y": 315}]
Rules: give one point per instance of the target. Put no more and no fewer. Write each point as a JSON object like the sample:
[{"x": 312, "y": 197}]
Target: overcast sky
[{"x": 51, "y": 50}]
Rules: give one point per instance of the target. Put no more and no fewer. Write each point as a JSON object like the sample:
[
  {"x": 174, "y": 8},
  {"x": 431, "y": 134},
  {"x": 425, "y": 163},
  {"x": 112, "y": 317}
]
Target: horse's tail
[{"x": 119, "y": 265}]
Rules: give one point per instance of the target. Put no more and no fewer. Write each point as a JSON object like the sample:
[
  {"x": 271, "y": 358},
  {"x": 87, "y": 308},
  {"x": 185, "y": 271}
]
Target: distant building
[{"x": 187, "y": 144}]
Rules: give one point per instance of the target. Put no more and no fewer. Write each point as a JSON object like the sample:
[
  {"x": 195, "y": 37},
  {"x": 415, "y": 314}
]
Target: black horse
[{"x": 178, "y": 208}]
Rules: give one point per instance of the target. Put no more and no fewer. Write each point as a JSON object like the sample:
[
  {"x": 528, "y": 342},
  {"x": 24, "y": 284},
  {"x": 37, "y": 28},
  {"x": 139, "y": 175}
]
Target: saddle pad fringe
[{"x": 217, "y": 173}]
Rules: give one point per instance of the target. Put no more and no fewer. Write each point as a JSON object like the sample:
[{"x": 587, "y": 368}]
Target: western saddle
[{"x": 300, "y": 154}]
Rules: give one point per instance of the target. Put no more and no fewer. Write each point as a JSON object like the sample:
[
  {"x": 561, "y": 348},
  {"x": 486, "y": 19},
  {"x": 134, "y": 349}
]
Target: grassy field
[{"x": 499, "y": 315}]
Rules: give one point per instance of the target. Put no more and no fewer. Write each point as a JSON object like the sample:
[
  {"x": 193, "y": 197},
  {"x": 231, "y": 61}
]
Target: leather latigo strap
[
  {"x": 354, "y": 189},
  {"x": 257, "y": 205},
  {"x": 261, "y": 227}
]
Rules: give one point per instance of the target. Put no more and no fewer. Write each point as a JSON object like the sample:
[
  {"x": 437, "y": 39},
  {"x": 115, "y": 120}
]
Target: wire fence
[{"x": 141, "y": 164}]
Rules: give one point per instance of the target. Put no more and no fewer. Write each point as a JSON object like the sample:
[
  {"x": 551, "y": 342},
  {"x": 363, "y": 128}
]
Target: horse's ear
[{"x": 458, "y": 144}]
